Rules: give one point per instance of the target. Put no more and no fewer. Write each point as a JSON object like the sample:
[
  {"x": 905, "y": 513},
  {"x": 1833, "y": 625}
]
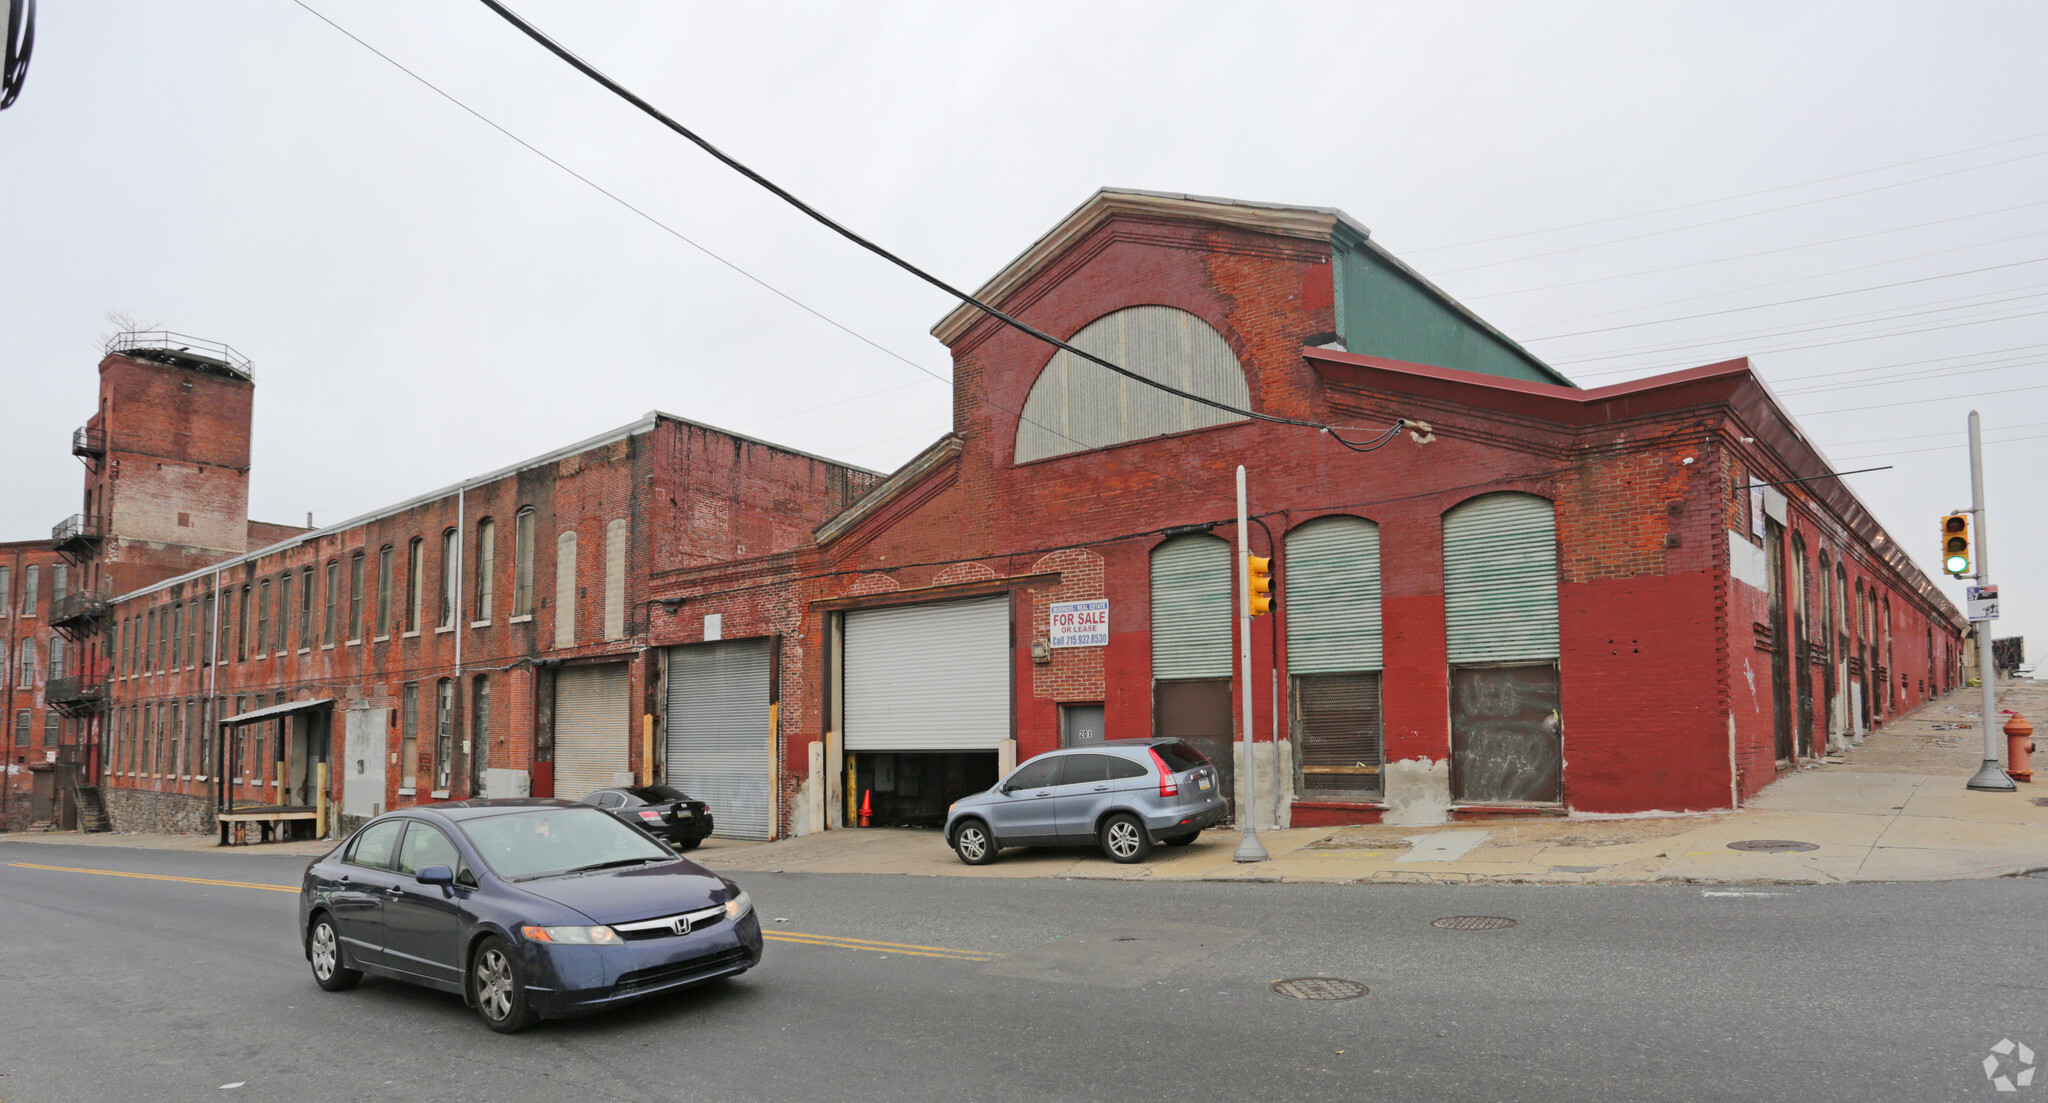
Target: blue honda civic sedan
[{"x": 526, "y": 908}]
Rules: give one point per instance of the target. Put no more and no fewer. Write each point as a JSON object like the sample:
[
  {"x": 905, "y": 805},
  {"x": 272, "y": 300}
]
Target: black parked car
[
  {"x": 665, "y": 812},
  {"x": 525, "y": 908}
]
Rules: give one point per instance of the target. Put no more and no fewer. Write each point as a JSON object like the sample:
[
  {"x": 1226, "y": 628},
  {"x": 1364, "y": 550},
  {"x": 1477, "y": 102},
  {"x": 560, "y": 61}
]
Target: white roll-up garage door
[
  {"x": 929, "y": 677},
  {"x": 721, "y": 746},
  {"x": 593, "y": 724}
]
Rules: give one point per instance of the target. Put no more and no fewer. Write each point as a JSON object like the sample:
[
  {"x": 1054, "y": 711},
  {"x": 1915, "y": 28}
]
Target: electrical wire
[
  {"x": 14, "y": 53},
  {"x": 1730, "y": 198},
  {"x": 1728, "y": 218},
  {"x": 777, "y": 190},
  {"x": 1787, "y": 348},
  {"x": 1779, "y": 283},
  {"x": 785, "y": 296},
  {"x": 1925, "y": 401},
  {"x": 1943, "y": 447}
]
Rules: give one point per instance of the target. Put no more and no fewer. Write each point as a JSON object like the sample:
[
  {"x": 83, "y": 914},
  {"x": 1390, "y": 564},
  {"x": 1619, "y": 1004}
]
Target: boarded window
[
  {"x": 565, "y": 590},
  {"x": 1076, "y": 405},
  {"x": 1191, "y": 608},
  {"x": 615, "y": 580},
  {"x": 1500, "y": 580}
]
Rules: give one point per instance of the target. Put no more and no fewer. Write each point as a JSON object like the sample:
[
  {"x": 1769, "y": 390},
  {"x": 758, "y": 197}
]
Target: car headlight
[
  {"x": 738, "y": 907},
  {"x": 572, "y": 936}
]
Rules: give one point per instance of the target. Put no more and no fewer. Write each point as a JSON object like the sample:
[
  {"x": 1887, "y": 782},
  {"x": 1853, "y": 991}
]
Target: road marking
[
  {"x": 880, "y": 947},
  {"x": 160, "y": 877},
  {"x": 803, "y": 938},
  {"x": 1711, "y": 892}
]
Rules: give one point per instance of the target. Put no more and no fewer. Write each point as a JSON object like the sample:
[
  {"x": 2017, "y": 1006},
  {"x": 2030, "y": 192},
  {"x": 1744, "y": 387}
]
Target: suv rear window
[{"x": 1180, "y": 757}]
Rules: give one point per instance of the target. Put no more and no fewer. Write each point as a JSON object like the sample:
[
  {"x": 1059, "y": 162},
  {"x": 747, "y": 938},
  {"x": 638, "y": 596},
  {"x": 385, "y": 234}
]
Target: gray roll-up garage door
[
  {"x": 1332, "y": 596},
  {"x": 1500, "y": 580},
  {"x": 720, "y": 742},
  {"x": 929, "y": 677},
  {"x": 593, "y": 725},
  {"x": 1191, "y": 608}
]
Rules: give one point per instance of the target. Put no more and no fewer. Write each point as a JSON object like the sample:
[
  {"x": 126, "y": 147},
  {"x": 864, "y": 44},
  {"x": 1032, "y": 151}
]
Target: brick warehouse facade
[
  {"x": 1537, "y": 598},
  {"x": 1688, "y": 669}
]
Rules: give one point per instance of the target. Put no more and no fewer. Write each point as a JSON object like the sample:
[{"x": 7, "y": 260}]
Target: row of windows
[
  {"x": 31, "y": 584},
  {"x": 180, "y": 634},
  {"x": 53, "y": 731},
  {"x": 178, "y": 738}
]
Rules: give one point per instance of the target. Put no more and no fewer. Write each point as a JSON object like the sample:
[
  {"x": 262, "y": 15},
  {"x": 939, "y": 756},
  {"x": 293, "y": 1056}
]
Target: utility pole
[
  {"x": 1988, "y": 777},
  {"x": 1250, "y": 849}
]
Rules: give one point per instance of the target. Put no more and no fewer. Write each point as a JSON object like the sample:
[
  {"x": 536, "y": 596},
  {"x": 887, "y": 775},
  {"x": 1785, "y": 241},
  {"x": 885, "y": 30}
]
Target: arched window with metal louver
[
  {"x": 1332, "y": 582},
  {"x": 1191, "y": 642},
  {"x": 1500, "y": 620}
]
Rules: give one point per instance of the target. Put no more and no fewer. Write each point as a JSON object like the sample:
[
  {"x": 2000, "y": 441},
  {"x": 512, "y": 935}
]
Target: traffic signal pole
[
  {"x": 1249, "y": 849},
  {"x": 1988, "y": 777}
]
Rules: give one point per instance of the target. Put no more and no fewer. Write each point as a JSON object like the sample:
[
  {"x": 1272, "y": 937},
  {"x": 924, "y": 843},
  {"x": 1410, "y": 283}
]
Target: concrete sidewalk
[{"x": 1893, "y": 809}]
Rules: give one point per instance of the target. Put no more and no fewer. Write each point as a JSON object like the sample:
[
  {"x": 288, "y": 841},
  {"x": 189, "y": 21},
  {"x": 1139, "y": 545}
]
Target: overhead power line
[
  {"x": 1785, "y": 348},
  {"x": 792, "y": 300},
  {"x": 1729, "y": 198},
  {"x": 1728, "y": 218},
  {"x": 777, "y": 190},
  {"x": 14, "y": 53}
]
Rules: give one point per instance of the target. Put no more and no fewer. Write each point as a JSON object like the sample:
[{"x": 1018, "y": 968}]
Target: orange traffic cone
[{"x": 866, "y": 807}]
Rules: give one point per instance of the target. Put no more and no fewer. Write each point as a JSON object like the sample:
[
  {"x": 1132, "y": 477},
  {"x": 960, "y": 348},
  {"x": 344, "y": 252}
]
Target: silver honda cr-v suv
[{"x": 1123, "y": 795}]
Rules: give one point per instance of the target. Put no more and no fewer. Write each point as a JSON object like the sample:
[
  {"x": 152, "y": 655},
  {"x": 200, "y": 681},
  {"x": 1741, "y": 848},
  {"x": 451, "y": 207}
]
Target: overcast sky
[{"x": 426, "y": 300}]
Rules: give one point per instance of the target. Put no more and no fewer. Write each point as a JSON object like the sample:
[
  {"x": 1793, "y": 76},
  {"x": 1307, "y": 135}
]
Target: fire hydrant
[{"x": 2019, "y": 744}]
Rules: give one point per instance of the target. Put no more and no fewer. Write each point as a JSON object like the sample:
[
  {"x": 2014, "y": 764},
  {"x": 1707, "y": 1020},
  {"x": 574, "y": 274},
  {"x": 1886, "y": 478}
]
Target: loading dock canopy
[{"x": 275, "y": 711}]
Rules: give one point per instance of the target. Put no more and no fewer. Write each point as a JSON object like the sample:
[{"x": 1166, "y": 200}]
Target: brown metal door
[
  {"x": 1198, "y": 711},
  {"x": 1506, "y": 735}
]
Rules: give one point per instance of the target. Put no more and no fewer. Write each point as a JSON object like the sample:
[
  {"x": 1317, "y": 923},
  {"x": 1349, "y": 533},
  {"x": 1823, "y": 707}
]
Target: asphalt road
[{"x": 139, "y": 988}]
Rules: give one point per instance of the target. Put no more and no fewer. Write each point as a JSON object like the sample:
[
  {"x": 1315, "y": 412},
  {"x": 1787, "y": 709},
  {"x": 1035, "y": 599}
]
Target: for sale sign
[
  {"x": 1982, "y": 601},
  {"x": 1080, "y": 623}
]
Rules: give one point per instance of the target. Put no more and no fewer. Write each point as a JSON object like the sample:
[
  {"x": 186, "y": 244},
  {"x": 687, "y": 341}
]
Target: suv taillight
[{"x": 1169, "y": 786}]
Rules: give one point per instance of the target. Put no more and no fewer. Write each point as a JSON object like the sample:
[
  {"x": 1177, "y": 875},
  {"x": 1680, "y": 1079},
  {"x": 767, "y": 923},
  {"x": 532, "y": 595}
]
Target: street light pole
[
  {"x": 1249, "y": 849},
  {"x": 1988, "y": 777}
]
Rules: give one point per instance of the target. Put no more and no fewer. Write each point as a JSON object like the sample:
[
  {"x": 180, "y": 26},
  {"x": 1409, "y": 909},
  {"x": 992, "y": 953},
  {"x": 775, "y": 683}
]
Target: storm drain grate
[
  {"x": 1775, "y": 846},
  {"x": 1472, "y": 923},
  {"x": 1319, "y": 988}
]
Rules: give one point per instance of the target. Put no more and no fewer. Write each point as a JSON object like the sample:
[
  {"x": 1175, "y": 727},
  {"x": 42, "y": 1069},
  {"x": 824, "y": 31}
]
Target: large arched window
[
  {"x": 1333, "y": 656},
  {"x": 1500, "y": 619},
  {"x": 1076, "y": 405}
]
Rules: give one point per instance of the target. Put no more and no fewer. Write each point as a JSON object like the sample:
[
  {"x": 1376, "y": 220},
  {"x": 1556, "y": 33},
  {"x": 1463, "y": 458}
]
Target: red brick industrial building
[{"x": 1535, "y": 599}]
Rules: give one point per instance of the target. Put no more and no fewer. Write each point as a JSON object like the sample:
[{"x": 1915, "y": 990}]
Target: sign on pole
[
  {"x": 1079, "y": 623},
  {"x": 1982, "y": 602}
]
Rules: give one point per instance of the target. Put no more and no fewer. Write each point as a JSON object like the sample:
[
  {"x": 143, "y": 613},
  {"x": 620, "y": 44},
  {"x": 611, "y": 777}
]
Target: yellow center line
[
  {"x": 801, "y": 937},
  {"x": 160, "y": 877},
  {"x": 950, "y": 955}
]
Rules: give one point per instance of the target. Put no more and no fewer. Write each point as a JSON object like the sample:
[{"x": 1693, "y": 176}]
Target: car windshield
[
  {"x": 545, "y": 842},
  {"x": 659, "y": 794}
]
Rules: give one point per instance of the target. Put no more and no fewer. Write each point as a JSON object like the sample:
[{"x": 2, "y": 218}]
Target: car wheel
[
  {"x": 1181, "y": 840},
  {"x": 324, "y": 948},
  {"x": 1124, "y": 839},
  {"x": 974, "y": 844},
  {"x": 499, "y": 991},
  {"x": 687, "y": 844}
]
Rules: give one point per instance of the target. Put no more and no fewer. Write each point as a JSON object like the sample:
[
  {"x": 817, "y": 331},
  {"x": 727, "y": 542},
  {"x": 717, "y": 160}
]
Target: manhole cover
[
  {"x": 1472, "y": 923},
  {"x": 2042, "y": 801},
  {"x": 1319, "y": 988},
  {"x": 1774, "y": 845}
]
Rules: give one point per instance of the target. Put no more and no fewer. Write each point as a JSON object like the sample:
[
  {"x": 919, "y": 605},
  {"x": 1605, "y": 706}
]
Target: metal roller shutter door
[
  {"x": 720, "y": 742},
  {"x": 1191, "y": 608},
  {"x": 1500, "y": 580},
  {"x": 1332, "y": 596},
  {"x": 593, "y": 721},
  {"x": 929, "y": 677}
]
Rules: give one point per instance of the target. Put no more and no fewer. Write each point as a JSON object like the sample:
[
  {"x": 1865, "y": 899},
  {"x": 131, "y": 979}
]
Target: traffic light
[
  {"x": 1259, "y": 573},
  {"x": 1955, "y": 544}
]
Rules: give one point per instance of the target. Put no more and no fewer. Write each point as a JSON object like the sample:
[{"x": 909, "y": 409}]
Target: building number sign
[{"x": 1079, "y": 623}]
